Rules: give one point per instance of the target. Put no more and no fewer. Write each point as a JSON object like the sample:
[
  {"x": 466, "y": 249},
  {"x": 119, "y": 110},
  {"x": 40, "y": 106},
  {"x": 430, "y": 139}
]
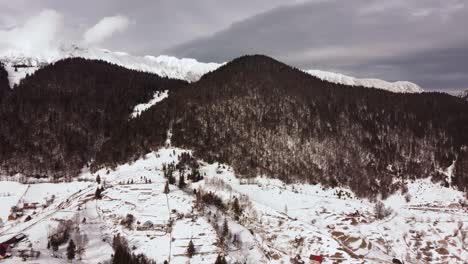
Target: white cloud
[
  {"x": 105, "y": 28},
  {"x": 37, "y": 35}
]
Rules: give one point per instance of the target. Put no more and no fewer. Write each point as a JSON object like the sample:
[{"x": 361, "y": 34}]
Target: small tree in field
[
  {"x": 181, "y": 182},
  {"x": 225, "y": 231},
  {"x": 166, "y": 188},
  {"x": 98, "y": 179},
  {"x": 71, "y": 249},
  {"x": 97, "y": 194},
  {"x": 190, "y": 249},
  {"x": 221, "y": 260},
  {"x": 236, "y": 207}
]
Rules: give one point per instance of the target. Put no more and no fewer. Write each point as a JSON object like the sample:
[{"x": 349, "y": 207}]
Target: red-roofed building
[
  {"x": 5, "y": 251},
  {"x": 315, "y": 259}
]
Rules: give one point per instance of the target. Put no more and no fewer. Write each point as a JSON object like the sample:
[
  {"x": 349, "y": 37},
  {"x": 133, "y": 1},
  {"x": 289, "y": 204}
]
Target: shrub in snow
[
  {"x": 381, "y": 211},
  {"x": 408, "y": 197},
  {"x": 128, "y": 221}
]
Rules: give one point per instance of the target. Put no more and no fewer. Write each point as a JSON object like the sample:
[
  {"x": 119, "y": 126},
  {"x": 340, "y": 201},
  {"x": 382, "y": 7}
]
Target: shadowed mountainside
[{"x": 264, "y": 117}]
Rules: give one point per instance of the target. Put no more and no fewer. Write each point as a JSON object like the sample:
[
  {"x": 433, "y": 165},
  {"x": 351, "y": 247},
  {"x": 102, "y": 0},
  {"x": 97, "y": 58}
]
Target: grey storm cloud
[
  {"x": 153, "y": 24},
  {"x": 420, "y": 41}
]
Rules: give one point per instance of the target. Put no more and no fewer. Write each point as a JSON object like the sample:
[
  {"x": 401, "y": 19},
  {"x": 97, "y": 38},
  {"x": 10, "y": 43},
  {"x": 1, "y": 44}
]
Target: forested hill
[
  {"x": 264, "y": 117},
  {"x": 55, "y": 121},
  {"x": 257, "y": 114}
]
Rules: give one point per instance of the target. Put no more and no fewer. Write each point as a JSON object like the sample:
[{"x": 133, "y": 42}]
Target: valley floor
[{"x": 279, "y": 222}]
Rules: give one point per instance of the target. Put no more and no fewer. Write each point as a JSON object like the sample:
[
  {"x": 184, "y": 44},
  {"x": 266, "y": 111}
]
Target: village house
[
  {"x": 314, "y": 259},
  {"x": 148, "y": 225},
  {"x": 5, "y": 251},
  {"x": 30, "y": 206}
]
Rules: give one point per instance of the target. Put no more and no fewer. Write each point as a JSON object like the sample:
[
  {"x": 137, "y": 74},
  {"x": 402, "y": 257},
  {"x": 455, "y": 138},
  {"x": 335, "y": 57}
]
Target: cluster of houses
[
  {"x": 313, "y": 259},
  {"x": 149, "y": 225},
  {"x": 17, "y": 211},
  {"x": 6, "y": 248}
]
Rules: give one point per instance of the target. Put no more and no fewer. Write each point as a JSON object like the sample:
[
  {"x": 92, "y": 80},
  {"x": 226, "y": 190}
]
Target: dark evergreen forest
[
  {"x": 54, "y": 122},
  {"x": 254, "y": 113},
  {"x": 264, "y": 117}
]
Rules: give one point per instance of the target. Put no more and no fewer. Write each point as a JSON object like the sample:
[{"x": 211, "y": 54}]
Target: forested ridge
[
  {"x": 257, "y": 114},
  {"x": 264, "y": 117},
  {"x": 55, "y": 121}
]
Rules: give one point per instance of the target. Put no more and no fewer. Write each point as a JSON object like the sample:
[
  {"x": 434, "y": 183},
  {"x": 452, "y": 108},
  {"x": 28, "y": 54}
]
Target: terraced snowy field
[{"x": 278, "y": 222}]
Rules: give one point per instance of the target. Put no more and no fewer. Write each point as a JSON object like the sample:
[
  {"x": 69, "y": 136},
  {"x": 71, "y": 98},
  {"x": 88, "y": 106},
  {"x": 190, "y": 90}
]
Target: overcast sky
[{"x": 420, "y": 41}]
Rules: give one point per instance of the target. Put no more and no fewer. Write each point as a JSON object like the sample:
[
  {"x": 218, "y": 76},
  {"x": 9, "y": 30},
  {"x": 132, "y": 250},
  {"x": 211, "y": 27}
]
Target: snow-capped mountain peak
[{"x": 19, "y": 64}]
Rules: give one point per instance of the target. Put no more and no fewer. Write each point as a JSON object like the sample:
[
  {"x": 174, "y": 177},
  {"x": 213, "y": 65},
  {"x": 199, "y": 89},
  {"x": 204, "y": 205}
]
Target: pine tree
[
  {"x": 166, "y": 188},
  {"x": 220, "y": 260},
  {"x": 190, "y": 249},
  {"x": 97, "y": 194},
  {"x": 98, "y": 179},
  {"x": 225, "y": 228},
  {"x": 54, "y": 245},
  {"x": 71, "y": 250},
  {"x": 236, "y": 207},
  {"x": 181, "y": 182}
]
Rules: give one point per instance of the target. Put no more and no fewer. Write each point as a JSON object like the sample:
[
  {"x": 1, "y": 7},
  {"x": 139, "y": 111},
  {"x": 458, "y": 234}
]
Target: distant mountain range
[{"x": 19, "y": 64}]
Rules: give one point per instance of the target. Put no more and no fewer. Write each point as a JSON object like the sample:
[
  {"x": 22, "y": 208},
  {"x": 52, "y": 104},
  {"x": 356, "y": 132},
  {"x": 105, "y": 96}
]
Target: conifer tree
[
  {"x": 236, "y": 207},
  {"x": 166, "y": 188},
  {"x": 97, "y": 194},
  {"x": 71, "y": 250},
  {"x": 225, "y": 231},
  {"x": 220, "y": 260},
  {"x": 181, "y": 181},
  {"x": 190, "y": 249}
]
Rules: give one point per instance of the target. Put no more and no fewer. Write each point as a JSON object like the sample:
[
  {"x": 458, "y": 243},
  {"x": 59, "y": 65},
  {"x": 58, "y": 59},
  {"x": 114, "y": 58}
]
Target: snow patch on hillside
[{"x": 140, "y": 108}]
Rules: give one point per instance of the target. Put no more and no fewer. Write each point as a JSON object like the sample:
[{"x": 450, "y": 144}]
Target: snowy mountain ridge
[
  {"x": 185, "y": 69},
  {"x": 396, "y": 87},
  {"x": 19, "y": 64}
]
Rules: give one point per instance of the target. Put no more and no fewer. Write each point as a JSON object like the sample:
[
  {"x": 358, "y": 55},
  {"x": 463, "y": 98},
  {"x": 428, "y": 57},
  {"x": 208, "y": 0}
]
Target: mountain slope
[
  {"x": 264, "y": 117},
  {"x": 55, "y": 121},
  {"x": 4, "y": 84},
  {"x": 184, "y": 69}
]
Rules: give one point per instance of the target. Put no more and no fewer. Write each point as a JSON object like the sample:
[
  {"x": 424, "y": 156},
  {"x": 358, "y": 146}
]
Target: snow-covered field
[{"x": 278, "y": 221}]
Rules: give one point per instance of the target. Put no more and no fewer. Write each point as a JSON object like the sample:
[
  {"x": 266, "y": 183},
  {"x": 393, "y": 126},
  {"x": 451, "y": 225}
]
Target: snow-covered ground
[
  {"x": 278, "y": 221},
  {"x": 185, "y": 69}
]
